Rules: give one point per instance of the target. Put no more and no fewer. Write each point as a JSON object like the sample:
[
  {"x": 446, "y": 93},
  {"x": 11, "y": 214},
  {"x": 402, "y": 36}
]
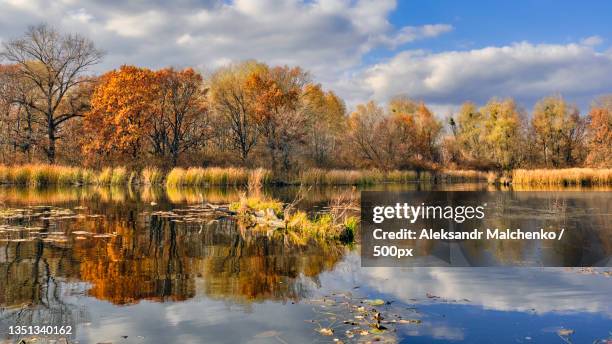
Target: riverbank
[{"x": 43, "y": 175}]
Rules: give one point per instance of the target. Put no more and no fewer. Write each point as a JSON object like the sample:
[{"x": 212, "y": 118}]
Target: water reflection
[
  {"x": 194, "y": 282},
  {"x": 128, "y": 257}
]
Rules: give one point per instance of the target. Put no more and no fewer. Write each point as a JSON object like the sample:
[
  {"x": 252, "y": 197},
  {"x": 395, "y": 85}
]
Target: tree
[
  {"x": 502, "y": 135},
  {"x": 280, "y": 115},
  {"x": 229, "y": 100},
  {"x": 123, "y": 108},
  {"x": 17, "y": 123},
  {"x": 327, "y": 114},
  {"x": 470, "y": 132},
  {"x": 370, "y": 137},
  {"x": 558, "y": 130},
  {"x": 55, "y": 64},
  {"x": 183, "y": 121},
  {"x": 599, "y": 141},
  {"x": 416, "y": 130}
]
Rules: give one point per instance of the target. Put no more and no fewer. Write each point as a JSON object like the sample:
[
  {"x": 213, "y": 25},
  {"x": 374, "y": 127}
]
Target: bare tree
[{"x": 55, "y": 64}]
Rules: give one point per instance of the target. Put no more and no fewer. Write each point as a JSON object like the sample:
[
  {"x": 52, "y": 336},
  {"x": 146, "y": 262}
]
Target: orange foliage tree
[
  {"x": 279, "y": 112},
  {"x": 600, "y": 133},
  {"x": 122, "y": 109}
]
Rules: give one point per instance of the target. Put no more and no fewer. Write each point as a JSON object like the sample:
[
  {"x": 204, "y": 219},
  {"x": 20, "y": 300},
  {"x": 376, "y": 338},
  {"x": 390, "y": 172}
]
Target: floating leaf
[
  {"x": 326, "y": 331},
  {"x": 375, "y": 302},
  {"x": 409, "y": 321}
]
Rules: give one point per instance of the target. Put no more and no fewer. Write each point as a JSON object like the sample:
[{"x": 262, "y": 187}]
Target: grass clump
[
  {"x": 461, "y": 176},
  {"x": 257, "y": 204},
  {"x": 340, "y": 177},
  {"x": 262, "y": 213},
  {"x": 360, "y": 177},
  {"x": 563, "y": 177},
  {"x": 152, "y": 176},
  {"x": 114, "y": 176},
  {"x": 44, "y": 175},
  {"x": 215, "y": 176},
  {"x": 120, "y": 176}
]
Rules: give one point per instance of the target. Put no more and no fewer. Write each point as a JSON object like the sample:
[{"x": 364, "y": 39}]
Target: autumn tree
[
  {"x": 232, "y": 103},
  {"x": 470, "y": 132},
  {"x": 416, "y": 130},
  {"x": 558, "y": 131},
  {"x": 370, "y": 136},
  {"x": 279, "y": 112},
  {"x": 502, "y": 132},
  {"x": 599, "y": 140},
  {"x": 182, "y": 120},
  {"x": 327, "y": 115},
  {"x": 123, "y": 107},
  {"x": 17, "y": 123},
  {"x": 55, "y": 64}
]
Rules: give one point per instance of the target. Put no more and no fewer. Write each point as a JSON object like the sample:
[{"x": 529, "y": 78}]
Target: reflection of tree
[
  {"x": 162, "y": 263},
  {"x": 31, "y": 286},
  {"x": 263, "y": 268}
]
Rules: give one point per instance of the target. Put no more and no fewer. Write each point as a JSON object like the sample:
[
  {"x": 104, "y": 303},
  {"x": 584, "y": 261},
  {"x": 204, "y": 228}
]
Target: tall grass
[
  {"x": 360, "y": 177},
  {"x": 152, "y": 176},
  {"x": 460, "y": 176},
  {"x": 114, "y": 176},
  {"x": 561, "y": 177},
  {"x": 42, "y": 175},
  {"x": 45, "y": 175},
  {"x": 231, "y": 176}
]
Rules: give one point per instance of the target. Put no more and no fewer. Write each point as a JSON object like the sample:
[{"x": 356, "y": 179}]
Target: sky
[{"x": 441, "y": 52}]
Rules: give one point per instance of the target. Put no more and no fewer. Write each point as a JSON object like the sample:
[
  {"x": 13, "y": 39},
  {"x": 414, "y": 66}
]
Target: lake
[{"x": 147, "y": 265}]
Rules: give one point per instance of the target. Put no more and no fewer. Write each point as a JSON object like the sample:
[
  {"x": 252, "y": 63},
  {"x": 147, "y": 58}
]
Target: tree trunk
[{"x": 51, "y": 144}]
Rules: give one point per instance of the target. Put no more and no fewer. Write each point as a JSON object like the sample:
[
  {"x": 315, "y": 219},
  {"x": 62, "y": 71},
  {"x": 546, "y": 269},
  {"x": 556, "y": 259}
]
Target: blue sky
[
  {"x": 486, "y": 23},
  {"x": 442, "y": 52}
]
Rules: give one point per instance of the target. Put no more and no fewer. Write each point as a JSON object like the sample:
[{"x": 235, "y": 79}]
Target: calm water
[{"x": 147, "y": 266}]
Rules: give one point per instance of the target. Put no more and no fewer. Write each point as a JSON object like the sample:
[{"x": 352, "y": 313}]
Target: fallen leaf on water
[
  {"x": 409, "y": 321},
  {"x": 376, "y": 302},
  {"x": 326, "y": 331}
]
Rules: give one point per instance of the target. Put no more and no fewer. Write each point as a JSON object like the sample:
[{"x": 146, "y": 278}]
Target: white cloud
[
  {"x": 412, "y": 33},
  {"x": 523, "y": 70},
  {"x": 80, "y": 15},
  {"x": 592, "y": 41},
  {"x": 138, "y": 25},
  {"x": 330, "y": 38},
  {"x": 327, "y": 37}
]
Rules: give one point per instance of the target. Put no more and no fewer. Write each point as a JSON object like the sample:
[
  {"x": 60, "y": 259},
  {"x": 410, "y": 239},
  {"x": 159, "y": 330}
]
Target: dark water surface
[{"x": 118, "y": 267}]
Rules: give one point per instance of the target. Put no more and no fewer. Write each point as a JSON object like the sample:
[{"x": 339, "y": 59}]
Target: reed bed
[
  {"x": 152, "y": 176},
  {"x": 359, "y": 177},
  {"x": 115, "y": 176},
  {"x": 217, "y": 176},
  {"x": 563, "y": 177},
  {"x": 461, "y": 176},
  {"x": 43, "y": 175}
]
